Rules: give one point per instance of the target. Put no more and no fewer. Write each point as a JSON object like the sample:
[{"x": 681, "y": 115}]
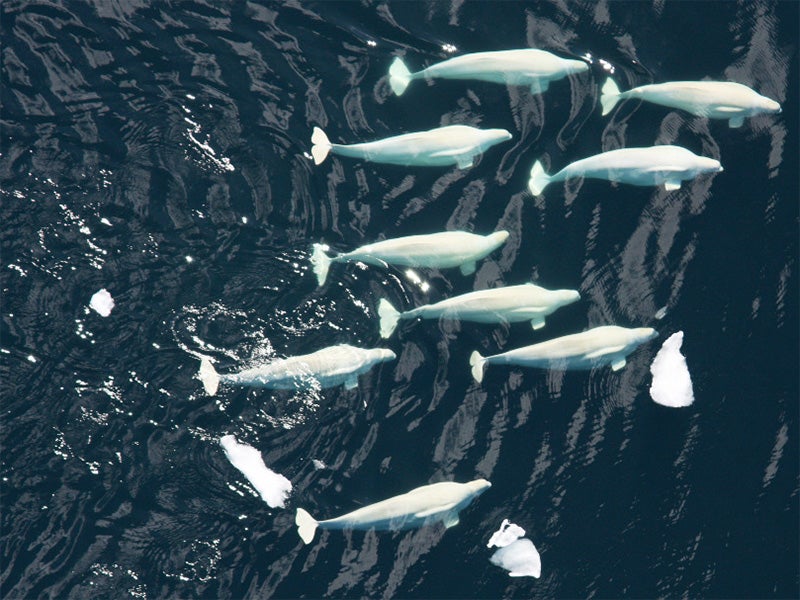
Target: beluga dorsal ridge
[
  {"x": 435, "y": 250},
  {"x": 457, "y": 145},
  {"x": 528, "y": 66},
  {"x": 724, "y": 100},
  {"x": 608, "y": 345},
  {"x": 655, "y": 165},
  {"x": 437, "y": 502},
  {"x": 526, "y": 302},
  {"x": 329, "y": 367}
]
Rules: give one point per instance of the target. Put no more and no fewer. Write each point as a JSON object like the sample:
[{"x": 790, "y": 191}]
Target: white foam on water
[
  {"x": 102, "y": 302},
  {"x": 273, "y": 487},
  {"x": 672, "y": 383}
]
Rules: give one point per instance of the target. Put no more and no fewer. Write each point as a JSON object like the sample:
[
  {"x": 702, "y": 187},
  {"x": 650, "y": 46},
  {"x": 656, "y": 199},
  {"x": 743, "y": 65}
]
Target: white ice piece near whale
[
  {"x": 329, "y": 367},
  {"x": 516, "y": 554},
  {"x": 526, "y": 302},
  {"x": 435, "y": 250},
  {"x": 655, "y": 165},
  {"x": 273, "y": 487},
  {"x": 444, "y": 146},
  {"x": 528, "y": 66},
  {"x": 606, "y": 345},
  {"x": 437, "y": 502},
  {"x": 672, "y": 383},
  {"x": 713, "y": 99}
]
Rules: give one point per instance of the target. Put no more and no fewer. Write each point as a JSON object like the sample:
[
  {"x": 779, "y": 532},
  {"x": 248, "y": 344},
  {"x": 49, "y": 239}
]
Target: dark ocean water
[{"x": 159, "y": 150}]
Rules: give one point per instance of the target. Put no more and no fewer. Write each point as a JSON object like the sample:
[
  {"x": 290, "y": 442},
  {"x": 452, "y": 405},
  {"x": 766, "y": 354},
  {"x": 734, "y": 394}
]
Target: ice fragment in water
[
  {"x": 672, "y": 384},
  {"x": 102, "y": 302},
  {"x": 520, "y": 558},
  {"x": 273, "y": 487},
  {"x": 507, "y": 533}
]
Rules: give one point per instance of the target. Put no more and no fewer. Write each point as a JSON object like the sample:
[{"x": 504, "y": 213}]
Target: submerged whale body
[
  {"x": 530, "y": 67},
  {"x": 329, "y": 367},
  {"x": 606, "y": 345},
  {"x": 421, "y": 506},
  {"x": 435, "y": 250},
  {"x": 713, "y": 99},
  {"x": 451, "y": 145},
  {"x": 526, "y": 302},
  {"x": 656, "y": 165}
]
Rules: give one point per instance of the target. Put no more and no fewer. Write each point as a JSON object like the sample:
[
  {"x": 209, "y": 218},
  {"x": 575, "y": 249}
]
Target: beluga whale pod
[
  {"x": 655, "y": 165},
  {"x": 529, "y": 67},
  {"x": 329, "y": 367},
  {"x": 444, "y": 146},
  {"x": 526, "y": 302},
  {"x": 713, "y": 99},
  {"x": 598, "y": 347},
  {"x": 437, "y": 502},
  {"x": 435, "y": 250}
]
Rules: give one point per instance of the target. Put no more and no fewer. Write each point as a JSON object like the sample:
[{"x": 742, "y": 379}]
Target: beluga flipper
[
  {"x": 437, "y": 502},
  {"x": 329, "y": 367},
  {"x": 656, "y": 165},
  {"x": 442, "y": 250},
  {"x": 528, "y": 66},
  {"x": 724, "y": 100},
  {"x": 598, "y": 347},
  {"x": 457, "y": 145}
]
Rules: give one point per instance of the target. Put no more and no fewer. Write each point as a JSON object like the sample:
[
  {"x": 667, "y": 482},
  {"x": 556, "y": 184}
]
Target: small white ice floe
[
  {"x": 672, "y": 384},
  {"x": 516, "y": 554},
  {"x": 273, "y": 487},
  {"x": 102, "y": 303}
]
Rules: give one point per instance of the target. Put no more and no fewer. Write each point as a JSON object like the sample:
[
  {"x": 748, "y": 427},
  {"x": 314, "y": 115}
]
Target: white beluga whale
[
  {"x": 606, "y": 345},
  {"x": 526, "y": 302},
  {"x": 444, "y": 146},
  {"x": 654, "y": 165},
  {"x": 713, "y": 99},
  {"x": 435, "y": 250},
  {"x": 529, "y": 67},
  {"x": 437, "y": 502},
  {"x": 329, "y": 367}
]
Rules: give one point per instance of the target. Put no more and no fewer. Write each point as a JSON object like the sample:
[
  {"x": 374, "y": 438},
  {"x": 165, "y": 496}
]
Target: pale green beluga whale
[
  {"x": 598, "y": 347},
  {"x": 434, "y": 250},
  {"x": 526, "y": 302},
  {"x": 437, "y": 502},
  {"x": 713, "y": 99},
  {"x": 529, "y": 67},
  {"x": 329, "y": 367},
  {"x": 655, "y": 165},
  {"x": 444, "y": 146}
]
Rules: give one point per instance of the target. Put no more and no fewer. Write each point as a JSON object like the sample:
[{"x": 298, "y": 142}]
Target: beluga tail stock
[
  {"x": 529, "y": 67},
  {"x": 713, "y": 99},
  {"x": 437, "y": 502},
  {"x": 526, "y": 302},
  {"x": 329, "y": 367},
  {"x": 655, "y": 165},
  {"x": 607, "y": 345},
  {"x": 435, "y": 250},
  {"x": 441, "y": 147}
]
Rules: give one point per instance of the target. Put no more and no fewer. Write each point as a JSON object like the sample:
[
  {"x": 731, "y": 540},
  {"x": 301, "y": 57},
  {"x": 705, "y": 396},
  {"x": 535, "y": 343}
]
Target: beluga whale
[
  {"x": 329, "y": 367},
  {"x": 444, "y": 146},
  {"x": 598, "y": 347},
  {"x": 655, "y": 165},
  {"x": 526, "y": 302},
  {"x": 713, "y": 99},
  {"x": 530, "y": 67},
  {"x": 437, "y": 502},
  {"x": 435, "y": 250}
]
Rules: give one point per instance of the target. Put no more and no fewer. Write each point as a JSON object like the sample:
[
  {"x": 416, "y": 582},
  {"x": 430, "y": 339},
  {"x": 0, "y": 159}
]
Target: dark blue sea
[{"x": 160, "y": 150}]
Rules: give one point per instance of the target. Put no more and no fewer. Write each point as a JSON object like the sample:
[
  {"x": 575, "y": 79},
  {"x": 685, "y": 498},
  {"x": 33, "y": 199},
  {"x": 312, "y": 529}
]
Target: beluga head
[
  {"x": 576, "y": 66},
  {"x": 479, "y": 486},
  {"x": 494, "y": 136},
  {"x": 496, "y": 239},
  {"x": 565, "y": 297},
  {"x": 707, "y": 165},
  {"x": 767, "y": 105},
  {"x": 640, "y": 335}
]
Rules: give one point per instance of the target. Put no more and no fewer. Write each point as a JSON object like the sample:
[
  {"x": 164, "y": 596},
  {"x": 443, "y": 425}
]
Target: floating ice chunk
[
  {"x": 520, "y": 558},
  {"x": 672, "y": 384},
  {"x": 102, "y": 302},
  {"x": 318, "y": 464},
  {"x": 273, "y": 487},
  {"x": 507, "y": 533}
]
